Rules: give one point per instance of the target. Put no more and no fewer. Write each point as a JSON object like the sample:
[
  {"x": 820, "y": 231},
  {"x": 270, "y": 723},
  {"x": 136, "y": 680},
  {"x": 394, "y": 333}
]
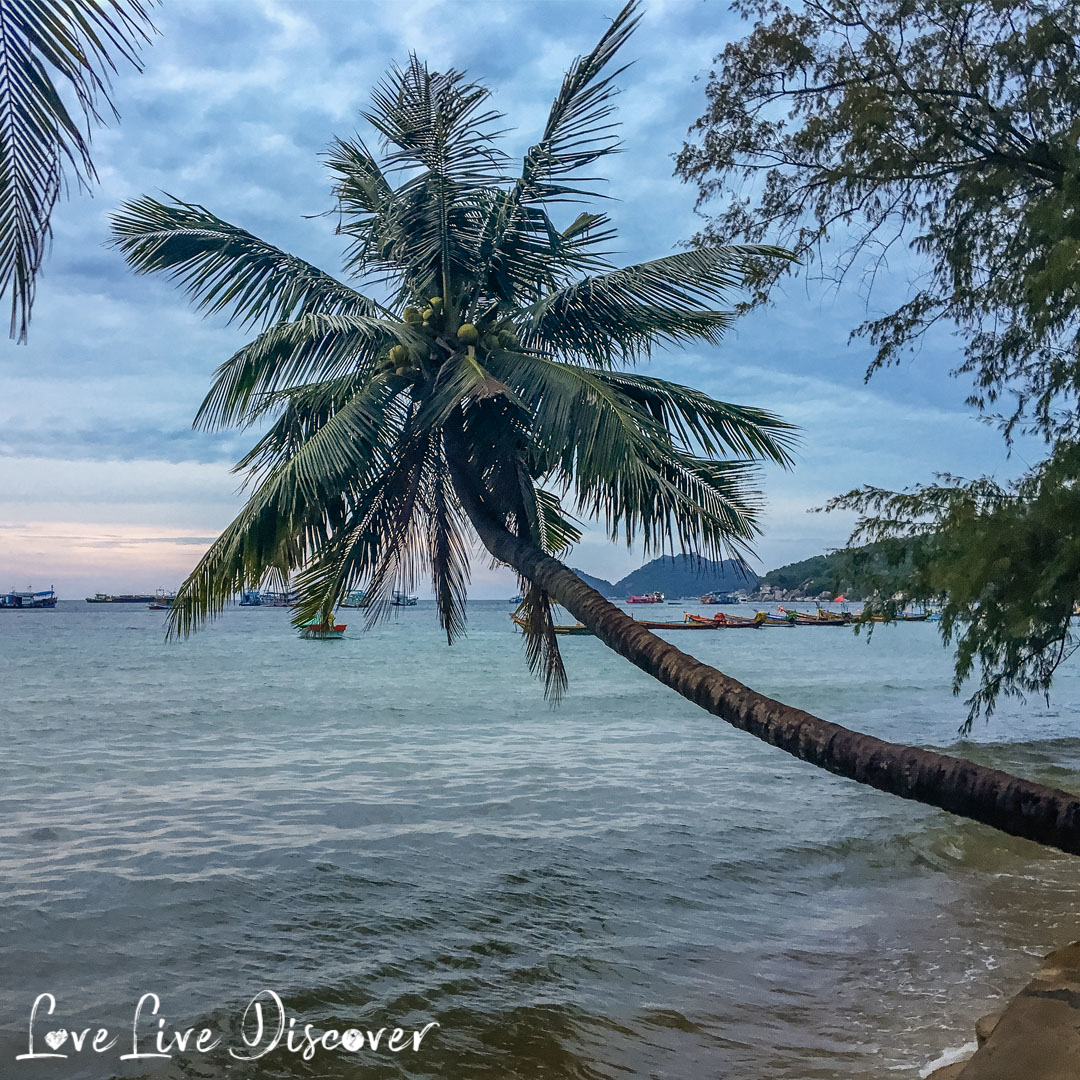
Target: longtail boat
[
  {"x": 649, "y": 624},
  {"x": 577, "y": 630},
  {"x": 705, "y": 624},
  {"x": 822, "y": 618},
  {"x": 766, "y": 618},
  {"x": 724, "y": 621},
  {"x": 844, "y": 616}
]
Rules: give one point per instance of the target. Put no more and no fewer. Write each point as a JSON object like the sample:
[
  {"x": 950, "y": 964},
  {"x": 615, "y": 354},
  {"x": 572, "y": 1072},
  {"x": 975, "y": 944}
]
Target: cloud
[
  {"x": 234, "y": 107},
  {"x": 125, "y": 441}
]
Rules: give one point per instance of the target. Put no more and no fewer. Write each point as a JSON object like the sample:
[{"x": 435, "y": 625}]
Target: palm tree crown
[{"x": 502, "y": 344}]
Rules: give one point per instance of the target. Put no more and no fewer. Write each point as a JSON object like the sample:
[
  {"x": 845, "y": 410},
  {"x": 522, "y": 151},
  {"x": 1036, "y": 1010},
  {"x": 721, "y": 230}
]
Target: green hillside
[{"x": 853, "y": 571}]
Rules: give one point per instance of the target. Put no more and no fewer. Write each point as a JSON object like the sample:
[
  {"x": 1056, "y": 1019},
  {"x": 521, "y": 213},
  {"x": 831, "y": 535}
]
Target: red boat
[
  {"x": 648, "y": 598},
  {"x": 314, "y": 630}
]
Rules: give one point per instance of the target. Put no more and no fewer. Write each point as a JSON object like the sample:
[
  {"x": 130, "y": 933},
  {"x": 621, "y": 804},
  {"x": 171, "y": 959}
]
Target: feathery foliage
[
  {"x": 854, "y": 128},
  {"x": 501, "y": 332},
  {"x": 1003, "y": 562}
]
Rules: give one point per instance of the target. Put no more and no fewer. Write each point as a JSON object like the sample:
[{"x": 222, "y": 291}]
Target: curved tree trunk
[{"x": 1043, "y": 814}]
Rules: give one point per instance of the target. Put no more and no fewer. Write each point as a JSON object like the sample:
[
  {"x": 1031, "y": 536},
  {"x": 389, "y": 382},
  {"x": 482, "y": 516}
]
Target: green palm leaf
[
  {"x": 438, "y": 132},
  {"x": 579, "y": 129},
  {"x": 620, "y": 460},
  {"x": 383, "y": 543},
  {"x": 541, "y": 643},
  {"x": 625, "y": 314},
  {"x": 306, "y": 495},
  {"x": 697, "y": 420},
  {"x": 225, "y": 268},
  {"x": 518, "y": 239},
  {"x": 48, "y": 47},
  {"x": 316, "y": 346}
]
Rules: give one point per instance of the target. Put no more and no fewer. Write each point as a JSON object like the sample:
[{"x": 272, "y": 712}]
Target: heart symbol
[
  {"x": 352, "y": 1040},
  {"x": 56, "y": 1039}
]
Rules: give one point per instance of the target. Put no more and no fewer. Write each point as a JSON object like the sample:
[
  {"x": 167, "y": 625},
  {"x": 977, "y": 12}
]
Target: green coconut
[
  {"x": 436, "y": 302},
  {"x": 468, "y": 333},
  {"x": 411, "y": 314},
  {"x": 398, "y": 354},
  {"x": 429, "y": 314},
  {"x": 402, "y": 370}
]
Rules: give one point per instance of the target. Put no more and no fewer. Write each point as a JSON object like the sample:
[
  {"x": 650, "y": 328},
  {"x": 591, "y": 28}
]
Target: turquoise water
[{"x": 386, "y": 832}]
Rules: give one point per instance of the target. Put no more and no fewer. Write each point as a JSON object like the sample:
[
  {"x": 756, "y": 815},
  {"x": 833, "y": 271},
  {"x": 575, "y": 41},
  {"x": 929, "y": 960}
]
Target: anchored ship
[
  {"x": 124, "y": 598},
  {"x": 24, "y": 601}
]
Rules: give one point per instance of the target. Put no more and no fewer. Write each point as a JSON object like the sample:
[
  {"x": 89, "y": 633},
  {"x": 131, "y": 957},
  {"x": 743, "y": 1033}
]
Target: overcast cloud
[{"x": 103, "y": 486}]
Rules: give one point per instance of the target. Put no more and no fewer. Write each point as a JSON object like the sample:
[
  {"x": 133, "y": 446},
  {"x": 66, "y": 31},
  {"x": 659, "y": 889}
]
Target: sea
[{"x": 383, "y": 857}]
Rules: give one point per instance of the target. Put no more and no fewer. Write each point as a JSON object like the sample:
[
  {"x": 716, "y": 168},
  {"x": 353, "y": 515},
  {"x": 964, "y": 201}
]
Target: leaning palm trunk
[{"x": 1046, "y": 815}]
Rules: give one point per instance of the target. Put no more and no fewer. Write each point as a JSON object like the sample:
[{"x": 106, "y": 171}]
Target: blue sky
[{"x": 103, "y": 485}]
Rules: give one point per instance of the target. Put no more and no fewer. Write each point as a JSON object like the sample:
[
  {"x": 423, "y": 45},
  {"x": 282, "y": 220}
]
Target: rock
[
  {"x": 985, "y": 1025},
  {"x": 1037, "y": 1037},
  {"x": 949, "y": 1072}
]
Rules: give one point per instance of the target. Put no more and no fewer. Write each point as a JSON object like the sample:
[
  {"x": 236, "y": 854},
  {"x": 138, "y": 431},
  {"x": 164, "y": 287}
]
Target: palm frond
[
  {"x": 303, "y": 499},
  {"x": 521, "y": 254},
  {"x": 437, "y": 130},
  {"x": 46, "y": 47},
  {"x": 225, "y": 268},
  {"x": 316, "y": 346},
  {"x": 371, "y": 210},
  {"x": 578, "y": 129},
  {"x": 557, "y": 531},
  {"x": 518, "y": 242},
  {"x": 715, "y": 427},
  {"x": 462, "y": 380},
  {"x": 622, "y": 464},
  {"x": 541, "y": 642},
  {"x": 623, "y": 315},
  {"x": 448, "y": 551},
  {"x": 384, "y": 543}
]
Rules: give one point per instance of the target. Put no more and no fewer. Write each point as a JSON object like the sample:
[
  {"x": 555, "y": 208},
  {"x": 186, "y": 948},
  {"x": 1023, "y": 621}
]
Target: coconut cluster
[{"x": 402, "y": 363}]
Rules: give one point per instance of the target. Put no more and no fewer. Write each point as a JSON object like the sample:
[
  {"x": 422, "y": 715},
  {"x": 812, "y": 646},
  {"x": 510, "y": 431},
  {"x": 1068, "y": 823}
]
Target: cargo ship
[
  {"x": 124, "y": 598},
  {"x": 25, "y": 601}
]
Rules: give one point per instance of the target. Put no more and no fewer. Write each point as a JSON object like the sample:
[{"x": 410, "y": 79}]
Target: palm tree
[
  {"x": 45, "y": 44},
  {"x": 490, "y": 389}
]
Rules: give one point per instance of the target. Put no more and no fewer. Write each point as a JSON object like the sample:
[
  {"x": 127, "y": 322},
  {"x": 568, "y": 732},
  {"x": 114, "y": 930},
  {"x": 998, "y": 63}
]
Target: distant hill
[
  {"x": 603, "y": 587},
  {"x": 675, "y": 576}
]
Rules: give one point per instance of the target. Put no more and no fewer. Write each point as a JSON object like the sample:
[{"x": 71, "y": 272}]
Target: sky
[{"x": 104, "y": 487}]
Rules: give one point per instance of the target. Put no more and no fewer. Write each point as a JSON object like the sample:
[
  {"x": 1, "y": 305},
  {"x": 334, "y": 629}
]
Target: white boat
[{"x": 402, "y": 599}]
